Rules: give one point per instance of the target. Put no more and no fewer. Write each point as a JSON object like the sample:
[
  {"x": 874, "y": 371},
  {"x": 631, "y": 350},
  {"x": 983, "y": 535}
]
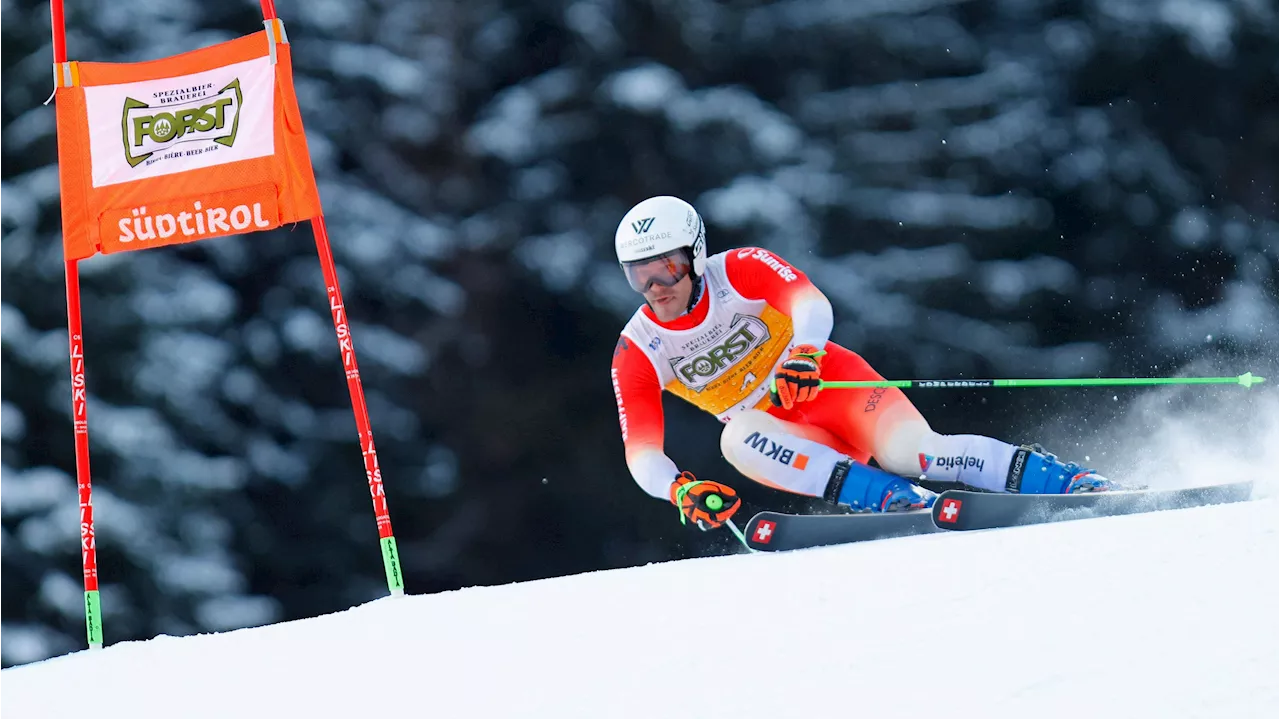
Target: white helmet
[{"x": 658, "y": 226}]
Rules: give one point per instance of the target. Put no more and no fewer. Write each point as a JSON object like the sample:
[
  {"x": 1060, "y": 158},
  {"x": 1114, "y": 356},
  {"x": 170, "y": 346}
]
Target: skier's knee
[
  {"x": 735, "y": 433},
  {"x": 898, "y": 449}
]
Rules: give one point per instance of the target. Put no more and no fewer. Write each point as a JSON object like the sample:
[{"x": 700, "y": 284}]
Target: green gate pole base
[
  {"x": 93, "y": 618},
  {"x": 391, "y": 563}
]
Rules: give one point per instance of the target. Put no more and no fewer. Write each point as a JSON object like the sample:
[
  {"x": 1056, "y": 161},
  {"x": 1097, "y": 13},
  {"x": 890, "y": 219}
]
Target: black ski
[
  {"x": 962, "y": 510},
  {"x": 774, "y": 531}
]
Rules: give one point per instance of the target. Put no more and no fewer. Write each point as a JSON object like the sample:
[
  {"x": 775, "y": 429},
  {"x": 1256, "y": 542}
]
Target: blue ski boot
[
  {"x": 1034, "y": 471},
  {"x": 864, "y": 487}
]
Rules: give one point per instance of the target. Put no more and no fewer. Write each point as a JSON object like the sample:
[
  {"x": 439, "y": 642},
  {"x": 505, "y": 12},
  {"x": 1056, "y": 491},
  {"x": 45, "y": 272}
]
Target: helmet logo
[{"x": 642, "y": 226}]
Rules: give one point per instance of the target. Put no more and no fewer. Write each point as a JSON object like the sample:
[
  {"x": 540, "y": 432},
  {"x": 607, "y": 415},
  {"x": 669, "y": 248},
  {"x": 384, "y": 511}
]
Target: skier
[{"x": 743, "y": 335}]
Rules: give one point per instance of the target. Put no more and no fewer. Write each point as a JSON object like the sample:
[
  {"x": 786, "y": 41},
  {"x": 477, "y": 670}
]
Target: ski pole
[
  {"x": 733, "y": 527},
  {"x": 1245, "y": 380}
]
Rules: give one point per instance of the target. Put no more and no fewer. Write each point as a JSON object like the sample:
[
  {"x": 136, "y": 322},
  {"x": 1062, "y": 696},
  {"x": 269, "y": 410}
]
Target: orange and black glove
[
  {"x": 706, "y": 504},
  {"x": 797, "y": 378}
]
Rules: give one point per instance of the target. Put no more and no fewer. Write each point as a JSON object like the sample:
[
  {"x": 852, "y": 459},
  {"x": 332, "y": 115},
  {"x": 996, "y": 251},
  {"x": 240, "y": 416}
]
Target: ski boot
[
  {"x": 1035, "y": 471},
  {"x": 865, "y": 488},
  {"x": 901, "y": 496}
]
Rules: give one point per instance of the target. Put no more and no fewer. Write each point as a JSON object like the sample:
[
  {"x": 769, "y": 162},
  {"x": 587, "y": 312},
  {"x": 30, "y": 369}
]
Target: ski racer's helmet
[{"x": 661, "y": 227}]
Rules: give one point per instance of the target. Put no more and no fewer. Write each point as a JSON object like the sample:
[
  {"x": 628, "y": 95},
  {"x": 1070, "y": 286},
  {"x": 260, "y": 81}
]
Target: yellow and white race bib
[{"x": 722, "y": 365}]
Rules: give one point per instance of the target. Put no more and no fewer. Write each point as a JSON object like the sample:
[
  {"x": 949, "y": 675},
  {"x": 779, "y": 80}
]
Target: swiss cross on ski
[
  {"x": 764, "y": 532},
  {"x": 745, "y": 336},
  {"x": 950, "y": 510}
]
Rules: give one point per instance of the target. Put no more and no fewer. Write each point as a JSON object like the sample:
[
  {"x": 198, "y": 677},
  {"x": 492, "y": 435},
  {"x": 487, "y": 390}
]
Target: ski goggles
[{"x": 666, "y": 269}]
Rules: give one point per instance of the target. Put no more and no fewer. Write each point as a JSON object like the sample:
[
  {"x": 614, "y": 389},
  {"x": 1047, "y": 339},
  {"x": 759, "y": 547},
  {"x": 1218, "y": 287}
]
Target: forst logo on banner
[
  {"x": 168, "y": 126},
  {"x": 208, "y": 117}
]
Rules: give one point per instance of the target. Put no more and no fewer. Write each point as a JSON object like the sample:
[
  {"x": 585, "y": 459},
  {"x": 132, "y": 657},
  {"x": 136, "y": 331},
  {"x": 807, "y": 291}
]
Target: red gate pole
[
  {"x": 79, "y": 403},
  {"x": 390, "y": 555}
]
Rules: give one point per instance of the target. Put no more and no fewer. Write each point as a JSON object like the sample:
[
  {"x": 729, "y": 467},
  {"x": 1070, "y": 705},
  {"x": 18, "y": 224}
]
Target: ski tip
[
  {"x": 1248, "y": 380},
  {"x": 763, "y": 531}
]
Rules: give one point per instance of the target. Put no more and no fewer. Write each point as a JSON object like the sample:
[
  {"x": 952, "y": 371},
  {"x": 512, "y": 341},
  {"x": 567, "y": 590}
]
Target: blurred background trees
[{"x": 1006, "y": 188}]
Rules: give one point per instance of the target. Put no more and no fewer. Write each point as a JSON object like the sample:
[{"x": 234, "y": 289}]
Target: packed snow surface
[{"x": 1172, "y": 614}]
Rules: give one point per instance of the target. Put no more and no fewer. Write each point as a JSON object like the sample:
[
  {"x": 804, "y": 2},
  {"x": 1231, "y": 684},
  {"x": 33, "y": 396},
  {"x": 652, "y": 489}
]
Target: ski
[
  {"x": 775, "y": 532},
  {"x": 964, "y": 510}
]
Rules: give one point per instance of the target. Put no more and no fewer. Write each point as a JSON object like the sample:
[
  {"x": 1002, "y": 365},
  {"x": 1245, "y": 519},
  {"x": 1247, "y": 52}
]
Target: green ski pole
[
  {"x": 733, "y": 527},
  {"x": 1245, "y": 380}
]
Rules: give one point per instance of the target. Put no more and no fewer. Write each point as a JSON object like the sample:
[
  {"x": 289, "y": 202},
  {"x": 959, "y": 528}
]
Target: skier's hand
[
  {"x": 797, "y": 378},
  {"x": 706, "y": 504}
]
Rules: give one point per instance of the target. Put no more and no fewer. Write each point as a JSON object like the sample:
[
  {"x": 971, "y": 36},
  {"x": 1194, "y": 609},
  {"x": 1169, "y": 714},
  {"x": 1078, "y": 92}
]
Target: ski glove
[
  {"x": 706, "y": 504},
  {"x": 797, "y": 377}
]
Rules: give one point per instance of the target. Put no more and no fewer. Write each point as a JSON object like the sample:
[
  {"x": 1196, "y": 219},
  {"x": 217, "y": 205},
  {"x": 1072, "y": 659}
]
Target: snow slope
[{"x": 1171, "y": 615}]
